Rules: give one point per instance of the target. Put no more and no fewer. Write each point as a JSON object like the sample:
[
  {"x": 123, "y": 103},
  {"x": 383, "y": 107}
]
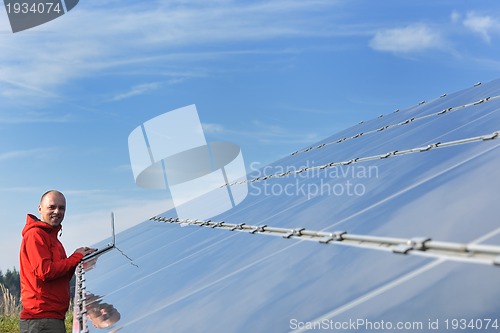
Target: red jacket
[{"x": 45, "y": 271}]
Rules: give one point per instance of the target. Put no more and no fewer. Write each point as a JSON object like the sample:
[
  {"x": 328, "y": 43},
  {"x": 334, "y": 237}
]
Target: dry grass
[
  {"x": 9, "y": 311},
  {"x": 9, "y": 305}
]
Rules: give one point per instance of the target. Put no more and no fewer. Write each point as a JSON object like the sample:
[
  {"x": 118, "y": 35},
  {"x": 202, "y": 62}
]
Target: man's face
[{"x": 52, "y": 209}]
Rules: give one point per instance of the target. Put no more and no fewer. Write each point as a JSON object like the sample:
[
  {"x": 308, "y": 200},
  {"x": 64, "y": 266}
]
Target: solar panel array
[{"x": 168, "y": 275}]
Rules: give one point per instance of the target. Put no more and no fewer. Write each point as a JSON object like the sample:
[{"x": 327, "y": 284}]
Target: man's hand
[{"x": 85, "y": 250}]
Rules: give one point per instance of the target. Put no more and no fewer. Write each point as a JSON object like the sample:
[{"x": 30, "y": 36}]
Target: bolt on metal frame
[
  {"x": 408, "y": 121},
  {"x": 486, "y": 137},
  {"x": 468, "y": 252}
]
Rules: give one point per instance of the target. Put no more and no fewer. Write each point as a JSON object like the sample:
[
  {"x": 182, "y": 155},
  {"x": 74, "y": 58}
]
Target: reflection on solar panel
[{"x": 431, "y": 181}]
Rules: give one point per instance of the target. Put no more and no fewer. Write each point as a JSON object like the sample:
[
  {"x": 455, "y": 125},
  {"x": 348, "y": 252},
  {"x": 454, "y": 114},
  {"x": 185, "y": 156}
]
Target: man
[{"x": 46, "y": 271}]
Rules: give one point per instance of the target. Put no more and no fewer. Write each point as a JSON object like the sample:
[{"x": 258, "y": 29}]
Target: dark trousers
[{"x": 47, "y": 325}]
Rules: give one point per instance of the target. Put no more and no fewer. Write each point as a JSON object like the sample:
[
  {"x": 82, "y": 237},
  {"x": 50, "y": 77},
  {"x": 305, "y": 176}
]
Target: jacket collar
[{"x": 34, "y": 222}]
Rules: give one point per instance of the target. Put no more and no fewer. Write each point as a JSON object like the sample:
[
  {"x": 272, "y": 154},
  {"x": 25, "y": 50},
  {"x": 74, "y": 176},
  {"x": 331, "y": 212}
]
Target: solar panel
[{"x": 190, "y": 275}]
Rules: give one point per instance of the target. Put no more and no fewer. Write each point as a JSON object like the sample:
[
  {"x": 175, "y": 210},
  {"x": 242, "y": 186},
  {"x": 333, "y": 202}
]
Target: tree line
[{"x": 10, "y": 280}]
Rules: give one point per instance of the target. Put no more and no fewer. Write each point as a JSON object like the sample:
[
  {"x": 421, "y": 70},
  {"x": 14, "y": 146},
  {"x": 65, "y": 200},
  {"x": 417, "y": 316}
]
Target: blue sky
[{"x": 271, "y": 76}]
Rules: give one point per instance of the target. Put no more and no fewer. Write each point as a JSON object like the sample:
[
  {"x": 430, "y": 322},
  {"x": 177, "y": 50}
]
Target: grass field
[{"x": 9, "y": 324}]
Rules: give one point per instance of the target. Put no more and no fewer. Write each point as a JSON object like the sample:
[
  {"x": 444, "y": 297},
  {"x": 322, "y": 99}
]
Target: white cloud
[
  {"x": 137, "y": 90},
  {"x": 97, "y": 40},
  {"x": 263, "y": 132},
  {"x": 10, "y": 155},
  {"x": 413, "y": 38},
  {"x": 213, "y": 128},
  {"x": 481, "y": 24},
  {"x": 276, "y": 134},
  {"x": 455, "y": 16},
  {"x": 35, "y": 117},
  {"x": 28, "y": 153}
]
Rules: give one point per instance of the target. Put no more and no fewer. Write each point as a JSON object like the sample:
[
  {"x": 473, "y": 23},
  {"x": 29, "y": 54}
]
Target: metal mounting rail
[
  {"x": 486, "y": 137},
  {"x": 468, "y": 252},
  {"x": 405, "y": 122},
  {"x": 80, "y": 311}
]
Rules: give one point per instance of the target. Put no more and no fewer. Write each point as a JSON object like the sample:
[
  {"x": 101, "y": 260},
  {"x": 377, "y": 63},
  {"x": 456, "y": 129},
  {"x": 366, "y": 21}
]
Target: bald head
[
  {"x": 52, "y": 207},
  {"x": 52, "y": 192}
]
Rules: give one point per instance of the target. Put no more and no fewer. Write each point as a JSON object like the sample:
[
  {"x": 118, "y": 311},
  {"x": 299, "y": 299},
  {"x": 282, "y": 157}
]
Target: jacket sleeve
[{"x": 41, "y": 259}]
